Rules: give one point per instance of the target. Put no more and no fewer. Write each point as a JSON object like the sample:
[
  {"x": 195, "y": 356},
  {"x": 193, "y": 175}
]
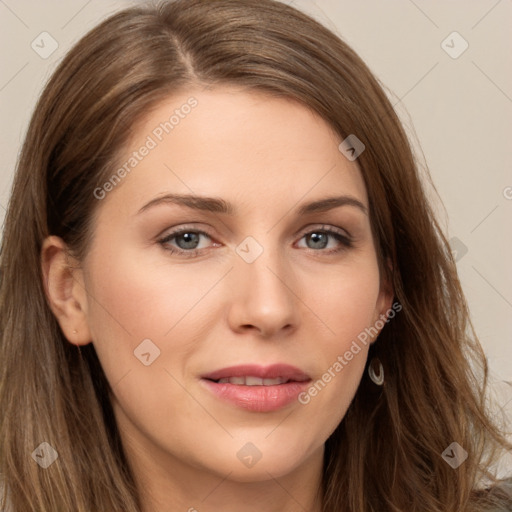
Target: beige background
[{"x": 458, "y": 110}]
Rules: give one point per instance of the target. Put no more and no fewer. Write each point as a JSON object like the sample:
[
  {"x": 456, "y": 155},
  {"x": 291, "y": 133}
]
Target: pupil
[
  {"x": 191, "y": 240},
  {"x": 318, "y": 241}
]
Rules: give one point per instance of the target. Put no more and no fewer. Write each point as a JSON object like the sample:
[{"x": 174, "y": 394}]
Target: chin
[
  {"x": 261, "y": 472},
  {"x": 272, "y": 463}
]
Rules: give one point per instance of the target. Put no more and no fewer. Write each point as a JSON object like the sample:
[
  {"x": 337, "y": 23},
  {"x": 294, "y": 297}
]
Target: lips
[
  {"x": 257, "y": 388},
  {"x": 255, "y": 375}
]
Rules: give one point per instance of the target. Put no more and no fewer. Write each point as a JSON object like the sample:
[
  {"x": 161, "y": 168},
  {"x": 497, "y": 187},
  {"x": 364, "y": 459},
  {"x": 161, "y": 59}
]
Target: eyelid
[
  {"x": 325, "y": 227},
  {"x": 183, "y": 228}
]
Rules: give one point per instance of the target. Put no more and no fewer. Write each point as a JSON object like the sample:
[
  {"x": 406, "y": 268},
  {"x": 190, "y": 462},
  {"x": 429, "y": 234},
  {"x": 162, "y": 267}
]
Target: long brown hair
[{"x": 386, "y": 453}]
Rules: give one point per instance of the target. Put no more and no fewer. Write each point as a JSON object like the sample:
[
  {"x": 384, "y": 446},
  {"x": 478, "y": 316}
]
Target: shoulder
[{"x": 498, "y": 497}]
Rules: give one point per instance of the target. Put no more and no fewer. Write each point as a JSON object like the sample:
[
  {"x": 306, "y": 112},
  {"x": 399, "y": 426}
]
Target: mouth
[
  {"x": 257, "y": 388},
  {"x": 255, "y": 375},
  {"x": 253, "y": 381}
]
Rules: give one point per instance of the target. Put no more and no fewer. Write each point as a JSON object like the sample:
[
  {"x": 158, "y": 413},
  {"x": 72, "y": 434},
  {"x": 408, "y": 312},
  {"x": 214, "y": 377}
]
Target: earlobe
[{"x": 65, "y": 291}]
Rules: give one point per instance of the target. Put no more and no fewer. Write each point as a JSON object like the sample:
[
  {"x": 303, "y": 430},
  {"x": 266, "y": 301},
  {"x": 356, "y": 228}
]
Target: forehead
[{"x": 240, "y": 145}]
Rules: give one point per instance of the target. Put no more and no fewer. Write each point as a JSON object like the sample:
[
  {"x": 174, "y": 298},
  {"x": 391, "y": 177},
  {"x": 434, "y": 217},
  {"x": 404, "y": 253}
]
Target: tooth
[
  {"x": 273, "y": 382},
  {"x": 253, "y": 381}
]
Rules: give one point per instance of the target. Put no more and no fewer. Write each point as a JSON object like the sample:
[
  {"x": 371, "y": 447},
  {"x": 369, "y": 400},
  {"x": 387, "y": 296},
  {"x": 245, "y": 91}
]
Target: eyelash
[{"x": 346, "y": 242}]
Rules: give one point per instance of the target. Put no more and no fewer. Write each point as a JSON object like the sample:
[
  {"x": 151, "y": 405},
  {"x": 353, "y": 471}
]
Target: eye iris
[
  {"x": 191, "y": 240},
  {"x": 319, "y": 240}
]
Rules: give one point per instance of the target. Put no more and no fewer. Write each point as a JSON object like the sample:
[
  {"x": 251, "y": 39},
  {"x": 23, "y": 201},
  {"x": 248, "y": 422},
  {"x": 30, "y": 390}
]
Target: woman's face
[{"x": 259, "y": 275}]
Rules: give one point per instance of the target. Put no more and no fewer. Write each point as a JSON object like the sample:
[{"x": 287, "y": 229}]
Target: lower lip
[{"x": 257, "y": 398}]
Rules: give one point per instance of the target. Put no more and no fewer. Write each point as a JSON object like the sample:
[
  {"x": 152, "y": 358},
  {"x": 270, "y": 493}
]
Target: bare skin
[{"x": 299, "y": 302}]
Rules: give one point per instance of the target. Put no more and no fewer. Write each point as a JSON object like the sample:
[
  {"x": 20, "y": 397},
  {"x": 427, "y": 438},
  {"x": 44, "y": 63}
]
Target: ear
[
  {"x": 65, "y": 290},
  {"x": 384, "y": 301}
]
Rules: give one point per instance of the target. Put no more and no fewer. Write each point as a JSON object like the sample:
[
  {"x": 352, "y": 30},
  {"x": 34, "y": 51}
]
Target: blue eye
[
  {"x": 186, "y": 241},
  {"x": 320, "y": 240}
]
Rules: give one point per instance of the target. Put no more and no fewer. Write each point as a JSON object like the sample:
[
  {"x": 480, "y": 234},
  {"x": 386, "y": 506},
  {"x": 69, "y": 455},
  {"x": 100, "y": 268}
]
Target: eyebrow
[{"x": 218, "y": 205}]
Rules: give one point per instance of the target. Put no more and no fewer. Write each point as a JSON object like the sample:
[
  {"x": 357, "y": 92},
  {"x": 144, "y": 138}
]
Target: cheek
[
  {"x": 143, "y": 312},
  {"x": 132, "y": 301},
  {"x": 345, "y": 301},
  {"x": 135, "y": 299}
]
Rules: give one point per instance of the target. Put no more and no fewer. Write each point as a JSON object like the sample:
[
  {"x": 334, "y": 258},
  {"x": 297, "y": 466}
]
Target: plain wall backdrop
[{"x": 446, "y": 67}]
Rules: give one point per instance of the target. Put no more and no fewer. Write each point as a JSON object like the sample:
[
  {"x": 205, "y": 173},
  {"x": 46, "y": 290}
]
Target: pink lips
[
  {"x": 284, "y": 371},
  {"x": 258, "y": 398}
]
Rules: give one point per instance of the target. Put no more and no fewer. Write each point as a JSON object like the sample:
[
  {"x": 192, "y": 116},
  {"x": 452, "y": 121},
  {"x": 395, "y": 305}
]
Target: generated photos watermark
[
  {"x": 343, "y": 360},
  {"x": 152, "y": 141}
]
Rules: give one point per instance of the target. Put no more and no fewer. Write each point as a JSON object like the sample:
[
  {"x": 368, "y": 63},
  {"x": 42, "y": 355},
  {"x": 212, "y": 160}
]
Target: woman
[{"x": 223, "y": 287}]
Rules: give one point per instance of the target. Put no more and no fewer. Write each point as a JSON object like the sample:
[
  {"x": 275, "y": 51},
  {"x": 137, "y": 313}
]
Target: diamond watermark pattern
[
  {"x": 249, "y": 250},
  {"x": 45, "y": 455},
  {"x": 458, "y": 247},
  {"x": 147, "y": 352},
  {"x": 249, "y": 455},
  {"x": 455, "y": 455},
  {"x": 351, "y": 147},
  {"x": 44, "y": 45},
  {"x": 454, "y": 45}
]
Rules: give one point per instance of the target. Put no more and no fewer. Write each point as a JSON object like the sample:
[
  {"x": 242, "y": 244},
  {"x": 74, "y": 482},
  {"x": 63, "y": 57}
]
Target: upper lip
[{"x": 284, "y": 371}]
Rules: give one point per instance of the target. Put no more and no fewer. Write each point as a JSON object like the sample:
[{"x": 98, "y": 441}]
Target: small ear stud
[{"x": 75, "y": 331}]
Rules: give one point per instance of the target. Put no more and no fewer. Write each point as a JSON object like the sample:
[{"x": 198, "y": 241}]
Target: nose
[{"x": 263, "y": 297}]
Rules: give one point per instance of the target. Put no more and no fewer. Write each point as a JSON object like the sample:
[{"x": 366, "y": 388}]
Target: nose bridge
[{"x": 262, "y": 286}]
